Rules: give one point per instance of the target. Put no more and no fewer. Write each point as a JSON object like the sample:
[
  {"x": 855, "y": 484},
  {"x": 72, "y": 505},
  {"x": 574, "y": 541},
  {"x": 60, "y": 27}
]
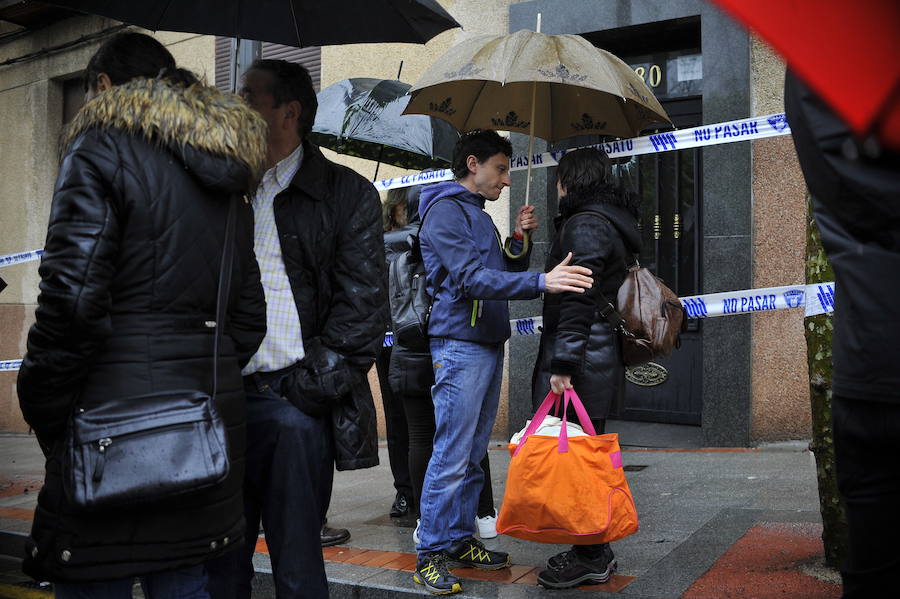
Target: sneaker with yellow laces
[
  {"x": 471, "y": 553},
  {"x": 433, "y": 572}
]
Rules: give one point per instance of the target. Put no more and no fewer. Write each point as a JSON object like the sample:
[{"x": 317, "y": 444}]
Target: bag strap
[
  {"x": 439, "y": 280},
  {"x": 536, "y": 420},
  {"x": 569, "y": 396},
  {"x": 224, "y": 288}
]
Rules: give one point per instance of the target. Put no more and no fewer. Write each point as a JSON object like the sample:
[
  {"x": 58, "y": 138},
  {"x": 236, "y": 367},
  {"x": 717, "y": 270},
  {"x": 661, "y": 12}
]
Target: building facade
[{"x": 714, "y": 219}]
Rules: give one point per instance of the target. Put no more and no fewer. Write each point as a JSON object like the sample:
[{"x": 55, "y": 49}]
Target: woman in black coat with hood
[
  {"x": 127, "y": 307},
  {"x": 579, "y": 349}
]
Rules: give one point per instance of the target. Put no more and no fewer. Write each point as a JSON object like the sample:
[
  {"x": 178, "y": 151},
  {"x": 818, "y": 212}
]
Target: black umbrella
[
  {"x": 288, "y": 22},
  {"x": 364, "y": 117}
]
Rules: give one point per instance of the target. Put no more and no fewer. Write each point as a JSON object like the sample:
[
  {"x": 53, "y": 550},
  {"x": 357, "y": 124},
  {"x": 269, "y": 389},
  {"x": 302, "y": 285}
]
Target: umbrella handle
[
  {"x": 507, "y": 248},
  {"x": 527, "y": 234}
]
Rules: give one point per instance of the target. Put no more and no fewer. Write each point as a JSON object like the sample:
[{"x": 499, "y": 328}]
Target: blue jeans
[
  {"x": 466, "y": 392},
  {"x": 185, "y": 583},
  {"x": 290, "y": 467}
]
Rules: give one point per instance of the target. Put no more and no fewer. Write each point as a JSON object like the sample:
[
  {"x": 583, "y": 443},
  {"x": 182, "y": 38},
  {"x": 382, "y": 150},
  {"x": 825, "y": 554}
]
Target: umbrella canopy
[
  {"x": 848, "y": 52},
  {"x": 364, "y": 117},
  {"x": 289, "y": 22},
  {"x": 570, "y": 86}
]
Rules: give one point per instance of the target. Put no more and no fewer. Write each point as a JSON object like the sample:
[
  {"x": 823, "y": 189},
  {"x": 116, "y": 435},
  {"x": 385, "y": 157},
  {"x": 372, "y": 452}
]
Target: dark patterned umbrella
[
  {"x": 364, "y": 117},
  {"x": 289, "y": 22}
]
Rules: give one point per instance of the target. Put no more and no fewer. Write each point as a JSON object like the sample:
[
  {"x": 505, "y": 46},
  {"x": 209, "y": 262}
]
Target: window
[{"x": 311, "y": 58}]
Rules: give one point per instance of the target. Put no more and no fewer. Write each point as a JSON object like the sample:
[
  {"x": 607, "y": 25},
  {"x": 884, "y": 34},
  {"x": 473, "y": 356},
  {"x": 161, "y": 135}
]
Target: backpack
[
  {"x": 408, "y": 293},
  {"x": 650, "y": 318}
]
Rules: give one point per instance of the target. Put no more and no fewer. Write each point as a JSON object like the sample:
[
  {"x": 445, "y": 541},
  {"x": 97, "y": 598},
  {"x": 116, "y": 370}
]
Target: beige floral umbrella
[
  {"x": 547, "y": 86},
  {"x": 569, "y": 86}
]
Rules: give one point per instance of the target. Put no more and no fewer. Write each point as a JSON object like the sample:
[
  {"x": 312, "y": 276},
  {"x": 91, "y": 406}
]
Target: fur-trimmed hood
[{"x": 216, "y": 135}]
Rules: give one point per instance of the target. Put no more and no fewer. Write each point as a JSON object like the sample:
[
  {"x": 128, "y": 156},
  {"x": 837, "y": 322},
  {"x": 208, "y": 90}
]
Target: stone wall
[{"x": 780, "y": 407}]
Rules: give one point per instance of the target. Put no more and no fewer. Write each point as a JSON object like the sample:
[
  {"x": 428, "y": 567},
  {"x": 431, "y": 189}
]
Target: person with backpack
[
  {"x": 579, "y": 349},
  {"x": 468, "y": 275},
  {"x": 409, "y": 376},
  {"x": 394, "y": 213}
]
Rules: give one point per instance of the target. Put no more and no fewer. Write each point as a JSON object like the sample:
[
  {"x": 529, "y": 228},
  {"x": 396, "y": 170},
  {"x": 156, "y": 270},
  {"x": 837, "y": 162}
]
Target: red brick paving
[
  {"x": 765, "y": 564},
  {"x": 382, "y": 557},
  {"x": 508, "y": 575},
  {"x": 616, "y": 583},
  {"x": 9, "y": 488},
  {"x": 16, "y": 513}
]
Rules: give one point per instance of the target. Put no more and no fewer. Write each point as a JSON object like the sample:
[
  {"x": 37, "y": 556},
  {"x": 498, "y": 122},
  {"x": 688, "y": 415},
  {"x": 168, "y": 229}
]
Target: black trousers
[
  {"x": 420, "y": 419},
  {"x": 290, "y": 470},
  {"x": 397, "y": 430},
  {"x": 867, "y": 448}
]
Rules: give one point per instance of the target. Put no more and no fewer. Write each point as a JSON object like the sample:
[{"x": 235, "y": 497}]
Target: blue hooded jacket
[{"x": 461, "y": 248}]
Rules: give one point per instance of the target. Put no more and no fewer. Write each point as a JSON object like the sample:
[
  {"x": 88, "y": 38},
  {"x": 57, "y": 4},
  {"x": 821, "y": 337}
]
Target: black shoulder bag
[{"x": 145, "y": 448}]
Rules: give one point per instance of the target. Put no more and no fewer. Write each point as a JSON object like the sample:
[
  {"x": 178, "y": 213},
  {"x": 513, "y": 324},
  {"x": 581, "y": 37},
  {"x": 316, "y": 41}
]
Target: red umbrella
[{"x": 848, "y": 52}]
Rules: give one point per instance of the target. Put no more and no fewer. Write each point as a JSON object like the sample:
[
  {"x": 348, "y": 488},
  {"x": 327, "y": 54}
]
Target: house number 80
[{"x": 651, "y": 77}]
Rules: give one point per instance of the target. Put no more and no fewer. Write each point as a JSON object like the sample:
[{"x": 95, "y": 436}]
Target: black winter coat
[
  {"x": 576, "y": 340},
  {"x": 856, "y": 201},
  {"x": 128, "y": 277},
  {"x": 329, "y": 223}
]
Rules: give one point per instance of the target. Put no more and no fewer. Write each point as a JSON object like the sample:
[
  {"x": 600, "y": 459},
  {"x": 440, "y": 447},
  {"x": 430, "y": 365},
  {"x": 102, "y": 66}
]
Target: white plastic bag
[{"x": 550, "y": 427}]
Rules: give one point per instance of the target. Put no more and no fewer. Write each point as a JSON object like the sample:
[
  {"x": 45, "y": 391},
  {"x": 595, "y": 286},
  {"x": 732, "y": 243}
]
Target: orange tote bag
[{"x": 566, "y": 490}]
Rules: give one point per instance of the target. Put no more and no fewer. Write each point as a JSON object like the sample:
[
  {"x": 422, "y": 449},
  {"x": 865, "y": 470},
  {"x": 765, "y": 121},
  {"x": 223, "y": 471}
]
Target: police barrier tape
[
  {"x": 760, "y": 127},
  {"x": 706, "y": 135},
  {"x": 695, "y": 137},
  {"x": 815, "y": 299},
  {"x": 10, "y": 259}
]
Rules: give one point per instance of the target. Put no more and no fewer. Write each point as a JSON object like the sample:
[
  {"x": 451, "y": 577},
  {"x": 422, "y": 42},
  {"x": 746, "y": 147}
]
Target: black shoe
[
  {"x": 334, "y": 536},
  {"x": 400, "y": 508},
  {"x": 433, "y": 571},
  {"x": 571, "y": 568},
  {"x": 471, "y": 553}
]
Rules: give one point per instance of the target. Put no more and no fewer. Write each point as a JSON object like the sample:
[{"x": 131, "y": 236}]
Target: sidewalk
[{"x": 715, "y": 524}]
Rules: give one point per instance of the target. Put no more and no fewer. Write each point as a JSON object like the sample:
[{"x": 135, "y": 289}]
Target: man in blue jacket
[{"x": 469, "y": 275}]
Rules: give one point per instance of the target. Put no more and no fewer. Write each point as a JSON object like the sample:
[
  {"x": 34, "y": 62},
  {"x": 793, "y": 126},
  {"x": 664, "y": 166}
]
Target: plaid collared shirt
[{"x": 283, "y": 344}]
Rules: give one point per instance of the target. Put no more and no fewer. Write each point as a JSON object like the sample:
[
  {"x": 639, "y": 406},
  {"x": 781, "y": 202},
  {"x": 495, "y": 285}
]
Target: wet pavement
[{"x": 714, "y": 523}]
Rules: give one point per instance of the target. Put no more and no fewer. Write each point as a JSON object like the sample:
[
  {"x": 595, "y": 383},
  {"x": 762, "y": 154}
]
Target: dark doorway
[{"x": 670, "y": 189}]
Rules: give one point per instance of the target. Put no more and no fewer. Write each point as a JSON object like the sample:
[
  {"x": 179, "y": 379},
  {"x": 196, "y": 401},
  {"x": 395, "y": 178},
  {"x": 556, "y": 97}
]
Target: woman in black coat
[
  {"x": 129, "y": 280},
  {"x": 579, "y": 349}
]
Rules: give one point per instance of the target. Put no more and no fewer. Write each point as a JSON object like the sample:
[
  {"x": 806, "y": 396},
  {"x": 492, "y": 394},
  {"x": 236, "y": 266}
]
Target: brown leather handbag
[{"x": 650, "y": 317}]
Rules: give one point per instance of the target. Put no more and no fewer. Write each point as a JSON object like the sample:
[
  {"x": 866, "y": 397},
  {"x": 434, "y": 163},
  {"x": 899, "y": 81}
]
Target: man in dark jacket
[
  {"x": 319, "y": 243},
  {"x": 855, "y": 187},
  {"x": 468, "y": 275}
]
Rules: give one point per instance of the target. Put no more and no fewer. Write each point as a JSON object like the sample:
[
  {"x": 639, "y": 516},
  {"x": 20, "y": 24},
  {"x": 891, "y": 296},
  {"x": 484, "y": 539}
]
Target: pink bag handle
[
  {"x": 569, "y": 396},
  {"x": 552, "y": 400},
  {"x": 536, "y": 420}
]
